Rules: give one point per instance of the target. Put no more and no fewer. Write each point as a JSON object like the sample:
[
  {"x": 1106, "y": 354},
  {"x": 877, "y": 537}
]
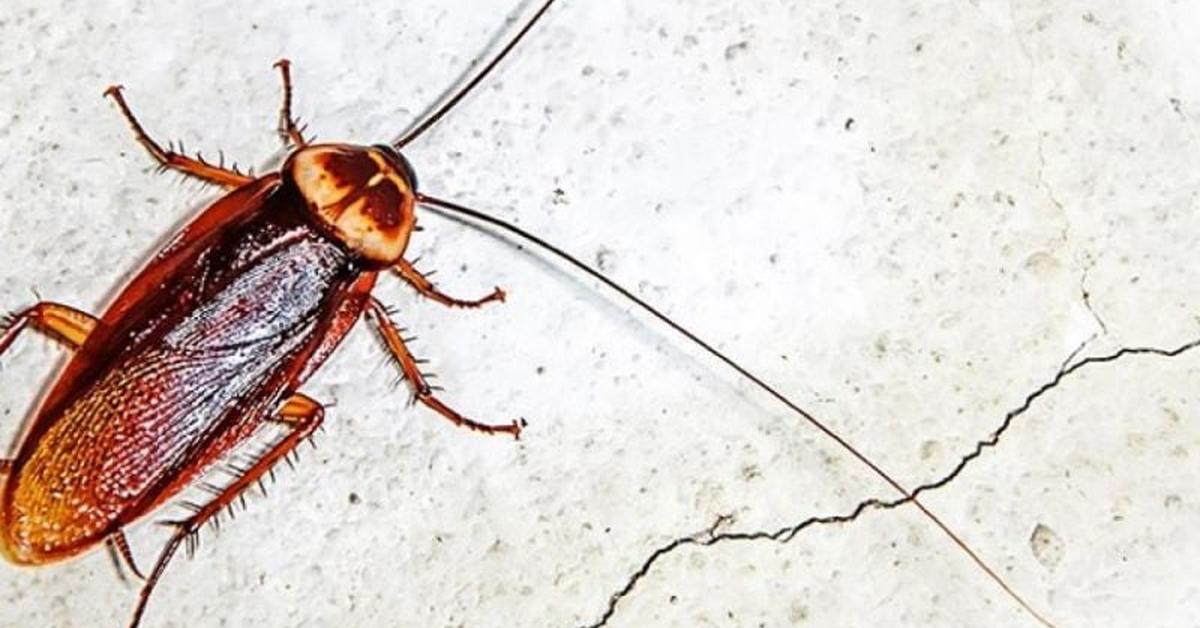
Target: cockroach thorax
[{"x": 363, "y": 194}]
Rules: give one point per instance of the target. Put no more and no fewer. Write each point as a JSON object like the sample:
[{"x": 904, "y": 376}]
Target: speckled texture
[{"x": 908, "y": 219}]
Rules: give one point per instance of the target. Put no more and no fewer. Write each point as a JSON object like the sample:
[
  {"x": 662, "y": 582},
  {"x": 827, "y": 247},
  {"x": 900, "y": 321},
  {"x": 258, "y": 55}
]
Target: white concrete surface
[{"x": 899, "y": 213}]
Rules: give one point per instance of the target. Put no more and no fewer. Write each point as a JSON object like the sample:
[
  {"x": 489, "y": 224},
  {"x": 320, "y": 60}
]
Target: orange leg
[
  {"x": 422, "y": 285},
  {"x": 120, "y": 545},
  {"x": 287, "y": 125},
  {"x": 422, "y": 390},
  {"x": 299, "y": 411},
  {"x": 61, "y": 322},
  {"x": 170, "y": 159}
]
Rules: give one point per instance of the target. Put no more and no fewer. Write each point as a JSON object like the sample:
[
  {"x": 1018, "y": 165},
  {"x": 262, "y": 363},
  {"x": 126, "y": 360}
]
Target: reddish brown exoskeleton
[
  {"x": 212, "y": 338},
  {"x": 219, "y": 331}
]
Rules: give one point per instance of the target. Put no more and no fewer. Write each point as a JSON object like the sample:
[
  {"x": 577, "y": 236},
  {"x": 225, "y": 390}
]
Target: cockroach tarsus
[{"x": 215, "y": 336}]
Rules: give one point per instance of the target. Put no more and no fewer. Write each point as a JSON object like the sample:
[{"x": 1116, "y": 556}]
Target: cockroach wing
[{"x": 202, "y": 343}]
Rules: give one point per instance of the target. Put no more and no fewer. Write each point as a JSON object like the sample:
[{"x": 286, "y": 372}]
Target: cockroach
[{"x": 218, "y": 333}]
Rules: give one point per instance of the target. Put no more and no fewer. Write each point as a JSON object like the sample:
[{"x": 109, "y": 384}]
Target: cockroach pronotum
[{"x": 218, "y": 333}]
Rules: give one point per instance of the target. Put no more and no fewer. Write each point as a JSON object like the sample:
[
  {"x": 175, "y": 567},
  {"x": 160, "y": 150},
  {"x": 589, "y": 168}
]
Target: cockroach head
[{"x": 363, "y": 195}]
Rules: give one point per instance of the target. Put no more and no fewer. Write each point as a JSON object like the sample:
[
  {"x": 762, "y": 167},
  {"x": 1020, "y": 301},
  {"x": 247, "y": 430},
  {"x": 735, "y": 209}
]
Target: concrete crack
[
  {"x": 1067, "y": 369},
  {"x": 711, "y": 535},
  {"x": 1031, "y": 107},
  {"x": 1087, "y": 302},
  {"x": 1065, "y": 233}
]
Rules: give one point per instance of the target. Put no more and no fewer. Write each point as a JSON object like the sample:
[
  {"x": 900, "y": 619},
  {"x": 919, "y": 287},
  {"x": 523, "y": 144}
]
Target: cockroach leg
[
  {"x": 304, "y": 415},
  {"x": 61, "y": 322},
  {"x": 197, "y": 167},
  {"x": 5, "y": 467},
  {"x": 425, "y": 287},
  {"x": 288, "y": 131},
  {"x": 412, "y": 372},
  {"x": 120, "y": 545},
  {"x": 299, "y": 410}
]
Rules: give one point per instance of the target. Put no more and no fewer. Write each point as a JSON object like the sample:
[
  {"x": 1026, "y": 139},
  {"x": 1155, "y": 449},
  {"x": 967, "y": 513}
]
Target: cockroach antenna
[
  {"x": 453, "y": 209},
  {"x": 441, "y": 111},
  {"x": 456, "y": 211}
]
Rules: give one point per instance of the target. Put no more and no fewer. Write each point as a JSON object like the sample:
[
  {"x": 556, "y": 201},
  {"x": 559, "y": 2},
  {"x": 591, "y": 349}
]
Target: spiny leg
[
  {"x": 288, "y": 131},
  {"x": 197, "y": 168},
  {"x": 120, "y": 546},
  {"x": 61, "y": 322},
  {"x": 422, "y": 390},
  {"x": 304, "y": 415},
  {"x": 425, "y": 287}
]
